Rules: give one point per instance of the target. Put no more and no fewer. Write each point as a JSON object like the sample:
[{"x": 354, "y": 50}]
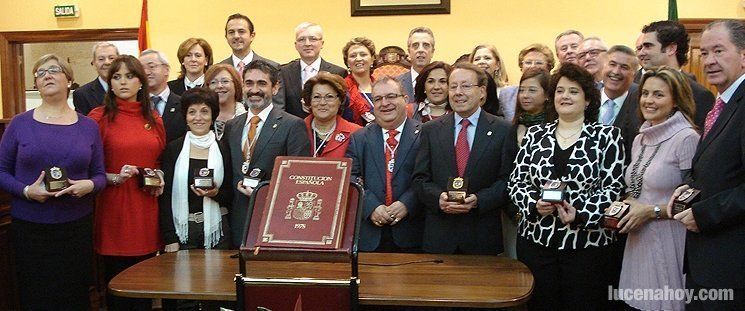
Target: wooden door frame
[{"x": 11, "y": 57}]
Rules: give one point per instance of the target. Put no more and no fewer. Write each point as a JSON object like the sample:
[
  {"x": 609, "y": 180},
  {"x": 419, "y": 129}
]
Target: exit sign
[{"x": 66, "y": 11}]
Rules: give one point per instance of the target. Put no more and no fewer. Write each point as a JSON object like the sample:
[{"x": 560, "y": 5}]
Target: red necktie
[
  {"x": 390, "y": 163},
  {"x": 713, "y": 115},
  {"x": 461, "y": 147},
  {"x": 241, "y": 66}
]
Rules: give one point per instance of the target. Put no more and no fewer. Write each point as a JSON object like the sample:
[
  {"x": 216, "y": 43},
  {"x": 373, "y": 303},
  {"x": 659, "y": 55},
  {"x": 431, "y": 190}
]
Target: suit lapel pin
[
  {"x": 416, "y": 132},
  {"x": 274, "y": 126},
  {"x": 340, "y": 137},
  {"x": 488, "y": 133},
  {"x": 172, "y": 109}
]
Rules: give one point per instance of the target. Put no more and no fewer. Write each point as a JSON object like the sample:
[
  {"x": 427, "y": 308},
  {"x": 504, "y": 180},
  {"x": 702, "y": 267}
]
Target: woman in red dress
[
  {"x": 359, "y": 56},
  {"x": 329, "y": 133},
  {"x": 126, "y": 218}
]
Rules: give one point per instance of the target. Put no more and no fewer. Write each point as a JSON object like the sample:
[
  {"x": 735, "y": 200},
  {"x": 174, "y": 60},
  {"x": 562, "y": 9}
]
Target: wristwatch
[{"x": 657, "y": 211}]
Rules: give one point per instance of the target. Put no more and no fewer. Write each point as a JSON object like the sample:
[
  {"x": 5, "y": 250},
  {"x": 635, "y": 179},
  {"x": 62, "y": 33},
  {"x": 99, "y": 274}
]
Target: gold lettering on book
[
  {"x": 307, "y": 207},
  {"x": 310, "y": 180}
]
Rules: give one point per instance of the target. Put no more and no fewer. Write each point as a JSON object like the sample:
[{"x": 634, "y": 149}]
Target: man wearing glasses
[
  {"x": 592, "y": 57},
  {"x": 308, "y": 43},
  {"x": 167, "y": 103},
  {"x": 666, "y": 43},
  {"x": 383, "y": 155},
  {"x": 463, "y": 151}
]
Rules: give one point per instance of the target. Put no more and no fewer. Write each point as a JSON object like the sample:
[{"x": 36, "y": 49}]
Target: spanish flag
[{"x": 143, "y": 37}]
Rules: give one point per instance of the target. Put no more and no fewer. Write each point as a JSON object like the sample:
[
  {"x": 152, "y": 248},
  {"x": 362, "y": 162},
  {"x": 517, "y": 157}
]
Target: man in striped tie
[
  {"x": 468, "y": 144},
  {"x": 716, "y": 223}
]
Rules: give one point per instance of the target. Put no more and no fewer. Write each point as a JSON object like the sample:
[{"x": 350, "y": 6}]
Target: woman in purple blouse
[{"x": 51, "y": 232}]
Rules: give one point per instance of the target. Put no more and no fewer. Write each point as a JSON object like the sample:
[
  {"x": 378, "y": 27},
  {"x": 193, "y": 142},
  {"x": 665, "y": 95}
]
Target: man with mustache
[
  {"x": 90, "y": 95},
  {"x": 567, "y": 46},
  {"x": 383, "y": 154},
  {"x": 308, "y": 43},
  {"x": 421, "y": 45},
  {"x": 666, "y": 43},
  {"x": 591, "y": 56},
  {"x": 239, "y": 32},
  {"x": 618, "y": 98},
  {"x": 258, "y": 136},
  {"x": 165, "y": 102}
]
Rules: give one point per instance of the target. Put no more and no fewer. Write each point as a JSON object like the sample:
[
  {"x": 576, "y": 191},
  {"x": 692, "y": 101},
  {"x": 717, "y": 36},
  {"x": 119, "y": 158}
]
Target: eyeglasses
[
  {"x": 328, "y": 98},
  {"x": 43, "y": 72},
  {"x": 311, "y": 39},
  {"x": 388, "y": 97},
  {"x": 220, "y": 82},
  {"x": 593, "y": 53},
  {"x": 536, "y": 63},
  {"x": 152, "y": 66},
  {"x": 464, "y": 87}
]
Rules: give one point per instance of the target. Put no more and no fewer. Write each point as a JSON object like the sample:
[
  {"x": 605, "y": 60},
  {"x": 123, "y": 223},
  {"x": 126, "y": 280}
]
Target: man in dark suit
[
  {"x": 91, "y": 95},
  {"x": 239, "y": 32},
  {"x": 716, "y": 223},
  {"x": 468, "y": 143},
  {"x": 666, "y": 43},
  {"x": 167, "y": 103},
  {"x": 421, "y": 45},
  {"x": 618, "y": 99},
  {"x": 308, "y": 43},
  {"x": 258, "y": 136},
  {"x": 383, "y": 154}
]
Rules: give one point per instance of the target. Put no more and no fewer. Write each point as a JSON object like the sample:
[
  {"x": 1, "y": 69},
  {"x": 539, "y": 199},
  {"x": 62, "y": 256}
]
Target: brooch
[{"x": 340, "y": 137}]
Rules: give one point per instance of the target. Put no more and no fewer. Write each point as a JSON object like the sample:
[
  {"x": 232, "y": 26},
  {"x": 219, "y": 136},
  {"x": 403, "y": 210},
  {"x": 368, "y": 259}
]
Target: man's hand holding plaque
[
  {"x": 251, "y": 179},
  {"x": 448, "y": 207},
  {"x": 680, "y": 206},
  {"x": 457, "y": 189}
]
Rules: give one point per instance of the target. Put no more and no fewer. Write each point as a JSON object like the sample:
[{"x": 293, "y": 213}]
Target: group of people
[{"x": 608, "y": 130}]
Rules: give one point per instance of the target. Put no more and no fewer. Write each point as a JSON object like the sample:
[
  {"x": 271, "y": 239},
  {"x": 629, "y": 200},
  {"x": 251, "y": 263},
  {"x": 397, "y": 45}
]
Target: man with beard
[
  {"x": 239, "y": 32},
  {"x": 421, "y": 44},
  {"x": 591, "y": 56},
  {"x": 666, "y": 43},
  {"x": 90, "y": 95},
  {"x": 258, "y": 136},
  {"x": 618, "y": 99}
]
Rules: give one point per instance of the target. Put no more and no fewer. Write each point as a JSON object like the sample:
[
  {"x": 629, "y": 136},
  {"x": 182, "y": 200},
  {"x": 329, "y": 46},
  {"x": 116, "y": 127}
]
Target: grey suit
[
  {"x": 279, "y": 99},
  {"x": 281, "y": 135},
  {"x": 405, "y": 80},
  {"x": 291, "y": 82},
  {"x": 367, "y": 152}
]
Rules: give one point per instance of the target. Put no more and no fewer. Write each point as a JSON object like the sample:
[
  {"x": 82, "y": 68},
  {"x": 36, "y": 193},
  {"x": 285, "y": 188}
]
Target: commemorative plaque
[
  {"x": 251, "y": 177},
  {"x": 55, "y": 179},
  {"x": 553, "y": 191},
  {"x": 204, "y": 178},
  {"x": 306, "y": 204},
  {"x": 148, "y": 178},
  {"x": 685, "y": 200},
  {"x": 457, "y": 189},
  {"x": 615, "y": 212}
]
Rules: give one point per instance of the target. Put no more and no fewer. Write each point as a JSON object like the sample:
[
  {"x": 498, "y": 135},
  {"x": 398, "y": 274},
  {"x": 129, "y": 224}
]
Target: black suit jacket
[
  {"x": 478, "y": 231},
  {"x": 714, "y": 257},
  {"x": 628, "y": 120},
  {"x": 292, "y": 80},
  {"x": 281, "y": 135},
  {"x": 88, "y": 96},
  {"x": 177, "y": 86},
  {"x": 279, "y": 99},
  {"x": 704, "y": 101},
  {"x": 173, "y": 118},
  {"x": 168, "y": 165},
  {"x": 367, "y": 152}
]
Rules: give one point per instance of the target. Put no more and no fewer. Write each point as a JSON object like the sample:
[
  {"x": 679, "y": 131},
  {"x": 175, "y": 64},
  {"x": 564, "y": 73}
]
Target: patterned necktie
[
  {"x": 713, "y": 115},
  {"x": 241, "y": 66},
  {"x": 307, "y": 74},
  {"x": 462, "y": 151},
  {"x": 607, "y": 117},
  {"x": 390, "y": 164},
  {"x": 248, "y": 147},
  {"x": 158, "y": 104}
]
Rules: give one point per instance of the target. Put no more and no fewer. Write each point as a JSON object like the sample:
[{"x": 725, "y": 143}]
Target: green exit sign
[{"x": 66, "y": 11}]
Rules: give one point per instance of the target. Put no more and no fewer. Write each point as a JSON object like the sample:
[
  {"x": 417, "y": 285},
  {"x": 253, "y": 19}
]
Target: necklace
[
  {"x": 565, "y": 138},
  {"x": 323, "y": 136}
]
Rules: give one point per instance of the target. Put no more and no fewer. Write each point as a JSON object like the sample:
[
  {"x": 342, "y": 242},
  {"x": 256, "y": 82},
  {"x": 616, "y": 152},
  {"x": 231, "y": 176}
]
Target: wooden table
[{"x": 458, "y": 281}]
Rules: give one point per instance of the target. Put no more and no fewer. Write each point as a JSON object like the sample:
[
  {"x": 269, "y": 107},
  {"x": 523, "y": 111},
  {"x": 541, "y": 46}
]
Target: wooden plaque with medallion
[
  {"x": 615, "y": 212},
  {"x": 685, "y": 200},
  {"x": 457, "y": 189},
  {"x": 204, "y": 178},
  {"x": 148, "y": 178},
  {"x": 55, "y": 179}
]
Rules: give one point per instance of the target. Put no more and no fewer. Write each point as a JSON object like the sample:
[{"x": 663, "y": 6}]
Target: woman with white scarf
[{"x": 192, "y": 217}]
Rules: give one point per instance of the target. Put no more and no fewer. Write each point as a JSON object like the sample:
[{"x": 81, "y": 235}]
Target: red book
[{"x": 307, "y": 203}]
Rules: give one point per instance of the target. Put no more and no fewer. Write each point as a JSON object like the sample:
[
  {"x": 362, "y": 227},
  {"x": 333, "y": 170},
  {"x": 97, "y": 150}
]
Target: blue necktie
[
  {"x": 607, "y": 116},
  {"x": 158, "y": 103}
]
